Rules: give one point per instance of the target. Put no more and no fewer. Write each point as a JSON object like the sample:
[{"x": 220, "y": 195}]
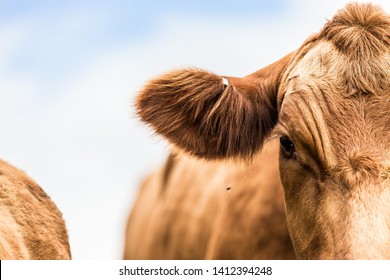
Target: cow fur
[
  {"x": 328, "y": 102},
  {"x": 221, "y": 120},
  {"x": 31, "y": 226}
]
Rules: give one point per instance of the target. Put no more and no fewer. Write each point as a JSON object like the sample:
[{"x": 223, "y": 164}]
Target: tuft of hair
[
  {"x": 361, "y": 34},
  {"x": 203, "y": 115},
  {"x": 359, "y": 30}
]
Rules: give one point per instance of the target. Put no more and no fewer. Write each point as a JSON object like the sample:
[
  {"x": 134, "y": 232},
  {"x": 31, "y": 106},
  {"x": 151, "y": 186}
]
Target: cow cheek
[
  {"x": 368, "y": 230},
  {"x": 302, "y": 199}
]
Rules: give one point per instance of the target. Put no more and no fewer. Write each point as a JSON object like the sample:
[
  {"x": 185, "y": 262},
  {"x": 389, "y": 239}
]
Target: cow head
[{"x": 329, "y": 103}]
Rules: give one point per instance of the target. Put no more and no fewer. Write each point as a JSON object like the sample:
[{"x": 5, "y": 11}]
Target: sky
[{"x": 69, "y": 71}]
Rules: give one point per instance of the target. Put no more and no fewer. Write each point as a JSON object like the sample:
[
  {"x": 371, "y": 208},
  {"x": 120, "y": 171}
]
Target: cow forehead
[
  {"x": 327, "y": 103},
  {"x": 348, "y": 75}
]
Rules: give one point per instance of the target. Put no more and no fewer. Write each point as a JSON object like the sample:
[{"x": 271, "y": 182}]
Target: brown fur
[
  {"x": 193, "y": 216},
  {"x": 31, "y": 227},
  {"x": 332, "y": 100},
  {"x": 361, "y": 32},
  {"x": 221, "y": 121}
]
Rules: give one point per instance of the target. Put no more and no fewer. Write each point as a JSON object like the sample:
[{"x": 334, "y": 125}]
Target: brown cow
[
  {"x": 31, "y": 227},
  {"x": 319, "y": 119}
]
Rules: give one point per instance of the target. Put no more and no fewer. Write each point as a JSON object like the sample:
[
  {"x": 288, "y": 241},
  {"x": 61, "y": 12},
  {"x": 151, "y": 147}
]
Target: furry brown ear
[{"x": 211, "y": 116}]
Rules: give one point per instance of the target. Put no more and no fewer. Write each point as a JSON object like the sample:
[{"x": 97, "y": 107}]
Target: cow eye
[{"x": 287, "y": 148}]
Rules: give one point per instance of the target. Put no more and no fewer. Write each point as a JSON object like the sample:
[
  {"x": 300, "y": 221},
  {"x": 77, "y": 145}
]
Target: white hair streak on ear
[{"x": 225, "y": 82}]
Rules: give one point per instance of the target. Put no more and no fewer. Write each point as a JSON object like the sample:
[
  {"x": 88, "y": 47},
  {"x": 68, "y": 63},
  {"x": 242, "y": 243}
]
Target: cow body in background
[
  {"x": 31, "y": 226},
  {"x": 318, "y": 119},
  {"x": 193, "y": 209}
]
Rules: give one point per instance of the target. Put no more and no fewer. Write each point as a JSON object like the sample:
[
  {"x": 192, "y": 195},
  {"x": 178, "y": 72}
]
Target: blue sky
[
  {"x": 61, "y": 36},
  {"x": 70, "y": 69}
]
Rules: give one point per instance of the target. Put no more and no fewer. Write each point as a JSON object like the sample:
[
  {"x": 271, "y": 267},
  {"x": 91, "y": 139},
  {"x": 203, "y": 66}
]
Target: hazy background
[{"x": 70, "y": 69}]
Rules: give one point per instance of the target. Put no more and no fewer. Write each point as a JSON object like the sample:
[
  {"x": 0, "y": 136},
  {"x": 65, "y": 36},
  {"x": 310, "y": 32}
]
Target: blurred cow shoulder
[{"x": 196, "y": 209}]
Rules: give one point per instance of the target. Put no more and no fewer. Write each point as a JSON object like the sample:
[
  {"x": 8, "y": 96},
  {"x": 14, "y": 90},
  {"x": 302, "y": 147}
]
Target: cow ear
[{"x": 211, "y": 116}]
